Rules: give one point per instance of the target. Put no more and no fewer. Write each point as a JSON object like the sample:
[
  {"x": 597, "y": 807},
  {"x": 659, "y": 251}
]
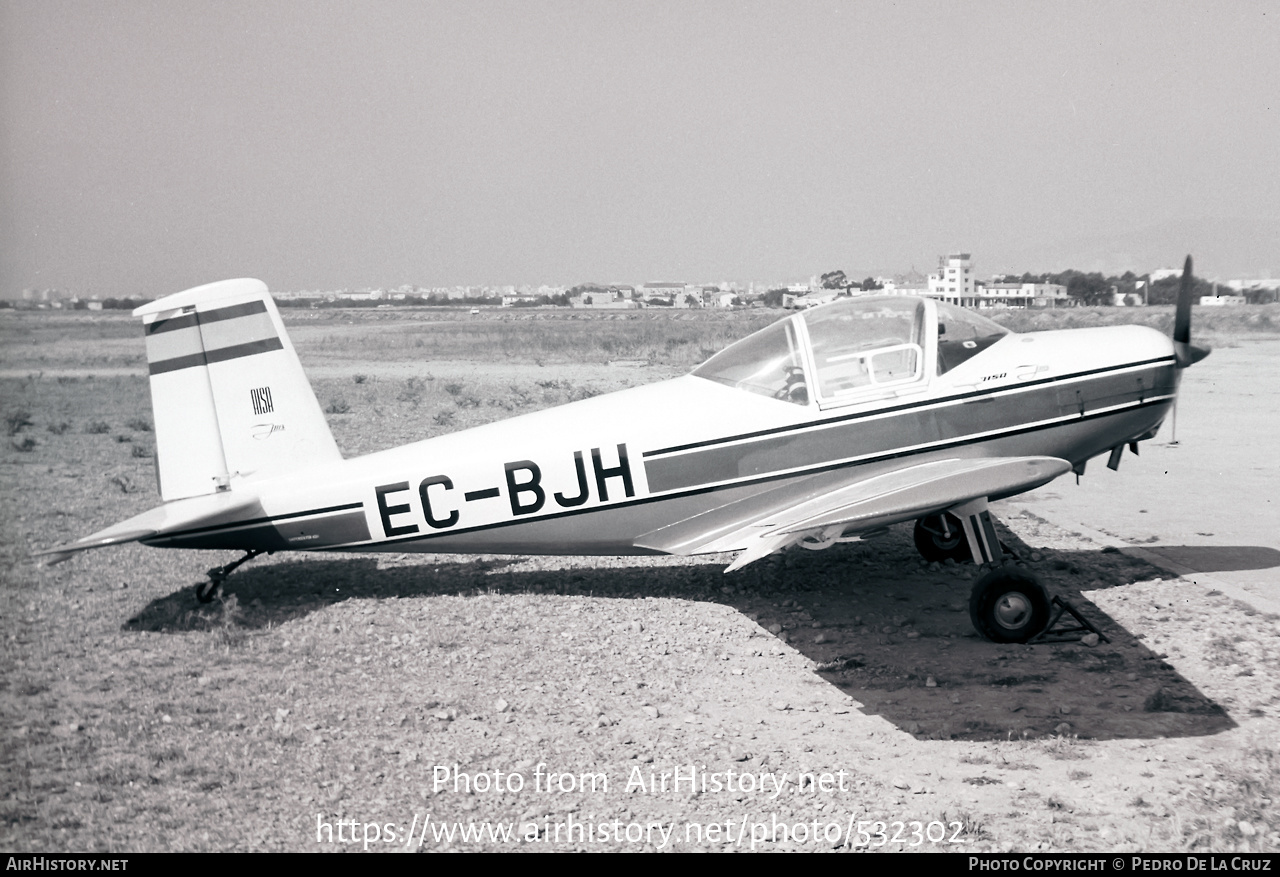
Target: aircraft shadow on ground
[
  {"x": 1219, "y": 558},
  {"x": 898, "y": 638}
]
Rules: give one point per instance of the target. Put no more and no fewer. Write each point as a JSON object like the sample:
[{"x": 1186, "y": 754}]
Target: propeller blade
[
  {"x": 1182, "y": 320},
  {"x": 1185, "y": 352}
]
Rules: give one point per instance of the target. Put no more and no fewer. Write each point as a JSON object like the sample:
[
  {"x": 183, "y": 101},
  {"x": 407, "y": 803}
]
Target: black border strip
[
  {"x": 270, "y": 519},
  {"x": 173, "y": 324},
  {"x": 862, "y": 415},
  {"x": 826, "y": 467},
  {"x": 222, "y": 354},
  {"x": 257, "y": 306},
  {"x": 195, "y": 318}
]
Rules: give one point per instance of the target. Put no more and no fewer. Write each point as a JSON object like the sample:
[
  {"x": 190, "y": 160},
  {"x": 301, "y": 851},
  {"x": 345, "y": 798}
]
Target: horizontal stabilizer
[{"x": 171, "y": 517}]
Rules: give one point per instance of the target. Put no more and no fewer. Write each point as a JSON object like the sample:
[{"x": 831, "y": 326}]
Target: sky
[{"x": 146, "y": 147}]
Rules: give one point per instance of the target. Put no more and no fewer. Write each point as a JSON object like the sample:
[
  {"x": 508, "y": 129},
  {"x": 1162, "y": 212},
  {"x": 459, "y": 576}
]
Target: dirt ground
[{"x": 644, "y": 703}]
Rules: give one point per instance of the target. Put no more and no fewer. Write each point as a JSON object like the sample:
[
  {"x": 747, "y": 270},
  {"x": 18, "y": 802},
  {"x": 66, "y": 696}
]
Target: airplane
[{"x": 828, "y": 426}]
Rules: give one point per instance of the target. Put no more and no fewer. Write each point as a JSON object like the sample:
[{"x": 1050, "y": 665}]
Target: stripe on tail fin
[{"x": 230, "y": 399}]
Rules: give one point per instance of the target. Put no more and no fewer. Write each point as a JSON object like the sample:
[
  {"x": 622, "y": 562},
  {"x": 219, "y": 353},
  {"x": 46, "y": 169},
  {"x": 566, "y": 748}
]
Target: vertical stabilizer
[{"x": 230, "y": 399}]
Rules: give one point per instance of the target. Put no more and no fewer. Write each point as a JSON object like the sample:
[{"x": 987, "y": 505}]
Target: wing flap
[{"x": 784, "y": 516}]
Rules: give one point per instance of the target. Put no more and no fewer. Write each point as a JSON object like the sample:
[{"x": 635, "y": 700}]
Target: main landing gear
[
  {"x": 940, "y": 538},
  {"x": 206, "y": 591},
  {"x": 1008, "y": 604}
]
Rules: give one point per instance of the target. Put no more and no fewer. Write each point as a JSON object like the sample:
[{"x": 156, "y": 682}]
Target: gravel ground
[{"x": 396, "y": 697}]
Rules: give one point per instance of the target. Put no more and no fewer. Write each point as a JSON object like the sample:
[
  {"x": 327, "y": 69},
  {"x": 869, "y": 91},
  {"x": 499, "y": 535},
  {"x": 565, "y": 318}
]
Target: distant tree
[
  {"x": 773, "y": 298},
  {"x": 1165, "y": 290},
  {"x": 834, "y": 280},
  {"x": 870, "y": 283},
  {"x": 1088, "y": 289}
]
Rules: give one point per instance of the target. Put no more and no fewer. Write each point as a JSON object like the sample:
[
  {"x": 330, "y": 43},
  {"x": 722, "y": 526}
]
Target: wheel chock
[{"x": 1061, "y": 607}]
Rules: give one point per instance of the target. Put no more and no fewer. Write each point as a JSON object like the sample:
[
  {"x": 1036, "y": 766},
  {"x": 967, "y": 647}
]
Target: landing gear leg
[
  {"x": 206, "y": 591},
  {"x": 1009, "y": 604}
]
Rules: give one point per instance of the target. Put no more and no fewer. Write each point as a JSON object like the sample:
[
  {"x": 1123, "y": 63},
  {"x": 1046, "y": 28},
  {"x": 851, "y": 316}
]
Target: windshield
[
  {"x": 962, "y": 334},
  {"x": 767, "y": 363},
  {"x": 864, "y": 342}
]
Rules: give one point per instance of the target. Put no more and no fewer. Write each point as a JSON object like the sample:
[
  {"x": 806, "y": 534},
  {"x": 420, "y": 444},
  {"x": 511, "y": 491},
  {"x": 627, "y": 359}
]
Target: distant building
[
  {"x": 1020, "y": 295},
  {"x": 953, "y": 281}
]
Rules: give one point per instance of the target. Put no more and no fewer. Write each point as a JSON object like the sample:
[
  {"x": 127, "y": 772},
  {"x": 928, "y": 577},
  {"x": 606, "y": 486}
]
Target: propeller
[{"x": 1185, "y": 352}]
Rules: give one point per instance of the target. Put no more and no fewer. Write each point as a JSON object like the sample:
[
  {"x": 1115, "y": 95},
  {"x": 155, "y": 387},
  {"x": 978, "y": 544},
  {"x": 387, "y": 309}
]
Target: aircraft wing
[
  {"x": 827, "y": 505},
  {"x": 176, "y": 515}
]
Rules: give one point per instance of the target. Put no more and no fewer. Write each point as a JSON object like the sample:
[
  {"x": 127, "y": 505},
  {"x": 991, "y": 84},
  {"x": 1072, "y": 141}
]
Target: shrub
[
  {"x": 24, "y": 444},
  {"x": 139, "y": 425},
  {"x": 16, "y": 420},
  {"x": 337, "y": 406},
  {"x": 97, "y": 428},
  {"x": 59, "y": 428},
  {"x": 412, "y": 392}
]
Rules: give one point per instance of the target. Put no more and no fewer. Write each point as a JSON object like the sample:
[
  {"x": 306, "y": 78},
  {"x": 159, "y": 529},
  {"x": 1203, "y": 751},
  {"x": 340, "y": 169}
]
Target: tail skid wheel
[
  {"x": 206, "y": 591},
  {"x": 1009, "y": 605}
]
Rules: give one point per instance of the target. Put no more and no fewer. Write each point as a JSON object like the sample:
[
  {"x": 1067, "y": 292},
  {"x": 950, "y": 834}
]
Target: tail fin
[{"x": 229, "y": 396}]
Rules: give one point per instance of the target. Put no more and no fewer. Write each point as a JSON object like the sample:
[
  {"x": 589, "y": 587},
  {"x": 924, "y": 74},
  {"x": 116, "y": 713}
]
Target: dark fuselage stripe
[
  {"x": 271, "y": 519},
  {"x": 941, "y": 446},
  {"x": 932, "y": 426},
  {"x": 879, "y": 412}
]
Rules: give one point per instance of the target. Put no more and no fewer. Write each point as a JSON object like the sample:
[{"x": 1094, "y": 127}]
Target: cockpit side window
[
  {"x": 768, "y": 363},
  {"x": 962, "y": 335},
  {"x": 865, "y": 343}
]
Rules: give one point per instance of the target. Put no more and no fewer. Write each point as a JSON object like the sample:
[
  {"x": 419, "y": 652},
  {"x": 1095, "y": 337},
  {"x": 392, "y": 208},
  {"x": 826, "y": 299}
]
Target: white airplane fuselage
[{"x": 592, "y": 477}]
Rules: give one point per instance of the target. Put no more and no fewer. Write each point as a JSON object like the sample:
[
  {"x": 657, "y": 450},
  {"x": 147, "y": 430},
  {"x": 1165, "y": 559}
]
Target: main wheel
[
  {"x": 941, "y": 537},
  {"x": 206, "y": 591},
  {"x": 1009, "y": 605}
]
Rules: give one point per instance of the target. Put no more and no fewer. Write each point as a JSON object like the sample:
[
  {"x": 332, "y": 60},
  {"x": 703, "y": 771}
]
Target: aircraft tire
[
  {"x": 206, "y": 591},
  {"x": 1009, "y": 605},
  {"x": 936, "y": 548}
]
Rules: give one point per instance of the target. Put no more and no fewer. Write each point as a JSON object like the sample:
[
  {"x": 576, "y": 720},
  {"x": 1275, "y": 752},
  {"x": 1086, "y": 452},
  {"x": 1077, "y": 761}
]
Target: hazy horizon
[{"x": 152, "y": 146}]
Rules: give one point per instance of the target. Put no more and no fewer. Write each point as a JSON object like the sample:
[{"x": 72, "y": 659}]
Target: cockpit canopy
[{"x": 850, "y": 349}]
